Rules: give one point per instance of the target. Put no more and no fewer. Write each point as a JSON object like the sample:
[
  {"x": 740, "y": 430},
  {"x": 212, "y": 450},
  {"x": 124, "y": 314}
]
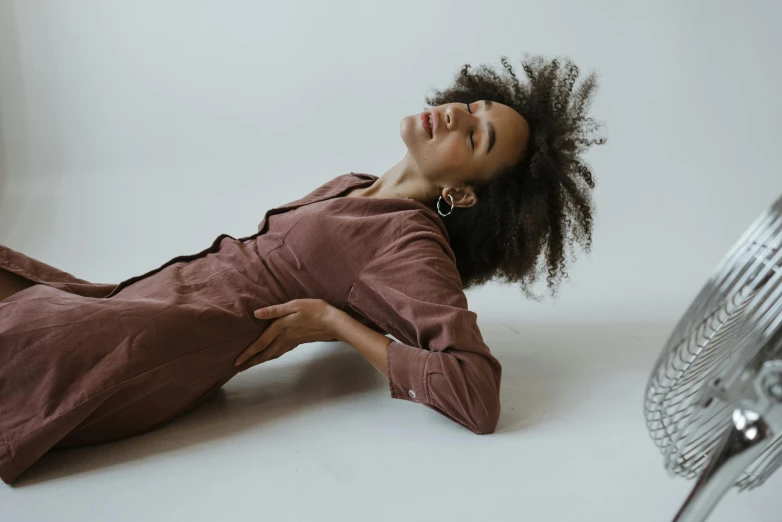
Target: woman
[{"x": 490, "y": 182}]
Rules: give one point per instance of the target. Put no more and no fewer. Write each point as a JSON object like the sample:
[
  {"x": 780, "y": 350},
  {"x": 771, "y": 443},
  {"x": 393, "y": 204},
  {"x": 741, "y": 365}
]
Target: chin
[{"x": 410, "y": 133}]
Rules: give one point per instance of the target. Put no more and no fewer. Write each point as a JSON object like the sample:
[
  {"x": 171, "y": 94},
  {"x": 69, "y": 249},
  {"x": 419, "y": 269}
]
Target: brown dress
[{"x": 84, "y": 363}]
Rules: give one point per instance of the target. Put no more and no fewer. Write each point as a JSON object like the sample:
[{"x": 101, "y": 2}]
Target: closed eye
[{"x": 472, "y": 143}]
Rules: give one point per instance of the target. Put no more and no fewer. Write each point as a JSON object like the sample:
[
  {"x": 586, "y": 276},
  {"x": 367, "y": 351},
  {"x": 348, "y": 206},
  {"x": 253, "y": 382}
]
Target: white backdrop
[
  {"x": 132, "y": 132},
  {"x": 135, "y": 131}
]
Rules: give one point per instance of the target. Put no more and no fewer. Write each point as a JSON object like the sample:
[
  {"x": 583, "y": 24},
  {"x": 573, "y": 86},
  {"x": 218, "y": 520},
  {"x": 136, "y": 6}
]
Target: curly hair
[{"x": 543, "y": 202}]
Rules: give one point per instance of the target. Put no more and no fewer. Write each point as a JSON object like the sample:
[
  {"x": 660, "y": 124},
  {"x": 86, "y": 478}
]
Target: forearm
[
  {"x": 462, "y": 384},
  {"x": 366, "y": 341}
]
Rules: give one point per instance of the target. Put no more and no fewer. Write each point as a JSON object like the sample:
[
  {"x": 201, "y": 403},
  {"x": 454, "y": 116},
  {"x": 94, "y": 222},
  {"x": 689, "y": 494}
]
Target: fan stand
[{"x": 754, "y": 423}]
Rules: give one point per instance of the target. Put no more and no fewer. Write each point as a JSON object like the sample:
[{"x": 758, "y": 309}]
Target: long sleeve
[{"x": 413, "y": 291}]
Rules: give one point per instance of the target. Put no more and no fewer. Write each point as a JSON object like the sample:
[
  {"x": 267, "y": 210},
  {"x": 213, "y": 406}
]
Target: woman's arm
[
  {"x": 460, "y": 379},
  {"x": 308, "y": 320},
  {"x": 412, "y": 290},
  {"x": 366, "y": 341}
]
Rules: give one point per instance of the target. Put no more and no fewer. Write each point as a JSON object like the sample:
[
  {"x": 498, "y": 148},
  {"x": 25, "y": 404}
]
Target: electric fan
[{"x": 713, "y": 402}]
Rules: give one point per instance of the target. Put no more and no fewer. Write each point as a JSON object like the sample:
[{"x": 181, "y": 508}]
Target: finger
[
  {"x": 275, "y": 328},
  {"x": 256, "y": 347},
  {"x": 259, "y": 345},
  {"x": 274, "y": 351},
  {"x": 277, "y": 348},
  {"x": 269, "y": 312}
]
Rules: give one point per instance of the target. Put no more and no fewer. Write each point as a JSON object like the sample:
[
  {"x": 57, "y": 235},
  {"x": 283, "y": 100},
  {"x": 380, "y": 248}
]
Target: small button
[{"x": 411, "y": 393}]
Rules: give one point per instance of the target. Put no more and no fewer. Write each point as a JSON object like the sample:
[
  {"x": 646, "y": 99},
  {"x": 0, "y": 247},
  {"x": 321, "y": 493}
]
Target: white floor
[{"x": 314, "y": 436}]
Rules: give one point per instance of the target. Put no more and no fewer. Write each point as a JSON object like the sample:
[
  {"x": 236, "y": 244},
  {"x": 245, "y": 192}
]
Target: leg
[{"x": 12, "y": 283}]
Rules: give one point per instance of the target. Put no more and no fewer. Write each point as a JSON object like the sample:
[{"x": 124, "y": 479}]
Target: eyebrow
[{"x": 492, "y": 132}]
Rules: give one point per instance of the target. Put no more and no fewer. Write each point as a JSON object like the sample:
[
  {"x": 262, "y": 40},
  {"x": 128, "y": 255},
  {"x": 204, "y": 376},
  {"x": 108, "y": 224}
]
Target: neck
[{"x": 403, "y": 180}]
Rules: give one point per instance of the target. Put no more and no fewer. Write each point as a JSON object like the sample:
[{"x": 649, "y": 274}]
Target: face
[{"x": 456, "y": 143}]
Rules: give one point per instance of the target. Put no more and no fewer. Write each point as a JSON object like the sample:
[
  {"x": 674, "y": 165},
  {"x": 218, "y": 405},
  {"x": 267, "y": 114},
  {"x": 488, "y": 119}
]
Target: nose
[{"x": 455, "y": 116}]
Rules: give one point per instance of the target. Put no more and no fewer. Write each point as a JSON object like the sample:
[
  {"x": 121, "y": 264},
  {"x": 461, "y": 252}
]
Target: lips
[{"x": 425, "y": 123}]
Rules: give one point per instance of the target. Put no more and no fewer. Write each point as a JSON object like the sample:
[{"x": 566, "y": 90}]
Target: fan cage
[{"x": 733, "y": 325}]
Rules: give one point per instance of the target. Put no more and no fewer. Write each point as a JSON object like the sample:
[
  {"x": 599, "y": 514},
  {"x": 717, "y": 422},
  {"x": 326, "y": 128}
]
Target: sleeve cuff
[{"x": 407, "y": 370}]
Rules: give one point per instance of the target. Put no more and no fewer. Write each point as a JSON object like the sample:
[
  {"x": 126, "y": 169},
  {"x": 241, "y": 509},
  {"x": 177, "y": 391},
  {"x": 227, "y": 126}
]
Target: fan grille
[{"x": 730, "y": 325}]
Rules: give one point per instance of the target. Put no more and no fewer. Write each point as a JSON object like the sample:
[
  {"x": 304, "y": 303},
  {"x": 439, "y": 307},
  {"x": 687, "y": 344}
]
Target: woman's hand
[{"x": 295, "y": 322}]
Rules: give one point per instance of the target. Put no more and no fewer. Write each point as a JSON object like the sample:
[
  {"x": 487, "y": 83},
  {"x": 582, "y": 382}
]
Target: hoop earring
[{"x": 438, "y": 206}]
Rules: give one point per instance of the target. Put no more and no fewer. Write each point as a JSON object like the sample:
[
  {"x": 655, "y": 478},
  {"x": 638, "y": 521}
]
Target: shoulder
[
  {"x": 417, "y": 254},
  {"x": 421, "y": 229}
]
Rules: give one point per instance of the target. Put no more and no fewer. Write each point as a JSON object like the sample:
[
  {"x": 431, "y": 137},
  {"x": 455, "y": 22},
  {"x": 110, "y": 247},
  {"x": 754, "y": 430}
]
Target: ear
[{"x": 463, "y": 197}]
